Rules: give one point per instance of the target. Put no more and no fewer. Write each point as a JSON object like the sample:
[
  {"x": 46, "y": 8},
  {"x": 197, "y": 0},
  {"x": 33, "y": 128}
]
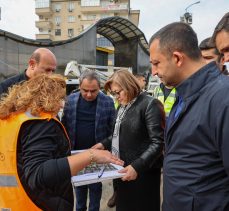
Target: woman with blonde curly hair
[{"x": 35, "y": 161}]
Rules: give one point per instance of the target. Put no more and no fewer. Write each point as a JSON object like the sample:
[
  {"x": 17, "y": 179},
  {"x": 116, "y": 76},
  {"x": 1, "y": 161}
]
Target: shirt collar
[{"x": 198, "y": 80}]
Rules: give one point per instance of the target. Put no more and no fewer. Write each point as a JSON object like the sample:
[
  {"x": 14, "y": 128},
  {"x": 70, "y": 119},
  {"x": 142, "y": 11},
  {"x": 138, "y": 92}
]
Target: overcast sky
[{"x": 18, "y": 16}]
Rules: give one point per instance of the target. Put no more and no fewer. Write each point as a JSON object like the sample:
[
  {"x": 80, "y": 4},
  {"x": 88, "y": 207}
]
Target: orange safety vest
[{"x": 12, "y": 194}]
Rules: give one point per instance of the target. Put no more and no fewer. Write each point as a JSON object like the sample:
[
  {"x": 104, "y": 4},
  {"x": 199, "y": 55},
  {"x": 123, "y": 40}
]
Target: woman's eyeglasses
[{"x": 116, "y": 93}]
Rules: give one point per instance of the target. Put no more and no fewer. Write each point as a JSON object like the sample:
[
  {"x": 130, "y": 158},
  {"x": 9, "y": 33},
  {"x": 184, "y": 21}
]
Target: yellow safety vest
[
  {"x": 116, "y": 104},
  {"x": 12, "y": 194},
  {"x": 170, "y": 100}
]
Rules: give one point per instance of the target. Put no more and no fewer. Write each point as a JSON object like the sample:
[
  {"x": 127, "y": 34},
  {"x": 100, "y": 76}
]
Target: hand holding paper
[
  {"x": 130, "y": 173},
  {"x": 96, "y": 172}
]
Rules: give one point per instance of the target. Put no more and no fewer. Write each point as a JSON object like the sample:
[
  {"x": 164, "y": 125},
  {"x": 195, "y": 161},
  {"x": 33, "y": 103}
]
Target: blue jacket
[
  {"x": 196, "y": 162},
  {"x": 4, "y": 85},
  {"x": 105, "y": 112}
]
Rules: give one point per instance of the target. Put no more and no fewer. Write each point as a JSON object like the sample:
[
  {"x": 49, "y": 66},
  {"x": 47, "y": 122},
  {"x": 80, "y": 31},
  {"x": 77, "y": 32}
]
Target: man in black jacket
[
  {"x": 42, "y": 60},
  {"x": 221, "y": 37},
  {"x": 196, "y": 160}
]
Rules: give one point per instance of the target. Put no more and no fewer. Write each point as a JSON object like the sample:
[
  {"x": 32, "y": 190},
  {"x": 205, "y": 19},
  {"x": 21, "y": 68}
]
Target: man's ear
[
  {"x": 32, "y": 63},
  {"x": 178, "y": 58}
]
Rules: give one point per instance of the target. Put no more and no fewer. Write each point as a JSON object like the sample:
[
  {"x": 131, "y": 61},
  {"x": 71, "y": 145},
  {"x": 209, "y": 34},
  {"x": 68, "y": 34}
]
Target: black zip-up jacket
[
  {"x": 141, "y": 134},
  {"x": 4, "y": 85}
]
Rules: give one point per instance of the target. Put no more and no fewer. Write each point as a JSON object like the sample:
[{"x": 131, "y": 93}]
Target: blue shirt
[{"x": 85, "y": 124}]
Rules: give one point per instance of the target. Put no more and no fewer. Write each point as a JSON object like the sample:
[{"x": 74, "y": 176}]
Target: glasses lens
[{"x": 116, "y": 94}]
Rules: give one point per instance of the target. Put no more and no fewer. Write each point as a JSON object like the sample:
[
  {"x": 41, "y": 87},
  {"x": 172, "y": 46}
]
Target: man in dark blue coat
[
  {"x": 88, "y": 119},
  {"x": 196, "y": 162}
]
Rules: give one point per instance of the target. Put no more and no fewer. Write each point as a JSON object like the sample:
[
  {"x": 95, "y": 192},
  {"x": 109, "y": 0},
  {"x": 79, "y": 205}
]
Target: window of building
[
  {"x": 105, "y": 3},
  {"x": 71, "y": 6},
  {"x": 41, "y": 17},
  {"x": 90, "y": 3},
  {"x": 90, "y": 17},
  {"x": 57, "y": 7},
  {"x": 42, "y": 3},
  {"x": 57, "y": 20},
  {"x": 71, "y": 19},
  {"x": 79, "y": 16},
  {"x": 70, "y": 32},
  {"x": 105, "y": 15},
  {"x": 42, "y": 31},
  {"x": 58, "y": 32},
  {"x": 103, "y": 42}
]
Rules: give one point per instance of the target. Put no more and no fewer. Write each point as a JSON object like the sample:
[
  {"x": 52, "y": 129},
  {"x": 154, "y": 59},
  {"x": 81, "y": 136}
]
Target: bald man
[{"x": 42, "y": 60}]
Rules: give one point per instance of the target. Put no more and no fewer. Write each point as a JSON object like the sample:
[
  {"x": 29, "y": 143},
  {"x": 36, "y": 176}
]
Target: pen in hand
[{"x": 101, "y": 171}]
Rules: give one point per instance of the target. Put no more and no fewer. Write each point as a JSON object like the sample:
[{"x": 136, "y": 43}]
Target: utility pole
[{"x": 187, "y": 17}]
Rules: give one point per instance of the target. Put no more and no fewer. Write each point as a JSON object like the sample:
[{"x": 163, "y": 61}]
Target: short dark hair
[
  {"x": 90, "y": 75},
  {"x": 206, "y": 44},
  {"x": 222, "y": 25},
  {"x": 178, "y": 37}
]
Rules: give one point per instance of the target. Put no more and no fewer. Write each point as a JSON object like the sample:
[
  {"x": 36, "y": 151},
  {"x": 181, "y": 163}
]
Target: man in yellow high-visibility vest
[{"x": 167, "y": 96}]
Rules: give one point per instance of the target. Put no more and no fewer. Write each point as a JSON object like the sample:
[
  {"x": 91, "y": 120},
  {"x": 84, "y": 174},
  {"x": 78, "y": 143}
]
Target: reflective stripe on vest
[
  {"x": 12, "y": 194},
  {"x": 8, "y": 181},
  {"x": 170, "y": 100}
]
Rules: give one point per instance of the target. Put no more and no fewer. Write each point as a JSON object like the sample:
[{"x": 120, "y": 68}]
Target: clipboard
[{"x": 92, "y": 173}]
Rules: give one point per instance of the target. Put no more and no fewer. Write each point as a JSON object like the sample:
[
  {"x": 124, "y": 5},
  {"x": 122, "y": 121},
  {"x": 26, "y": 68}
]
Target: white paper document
[{"x": 96, "y": 173}]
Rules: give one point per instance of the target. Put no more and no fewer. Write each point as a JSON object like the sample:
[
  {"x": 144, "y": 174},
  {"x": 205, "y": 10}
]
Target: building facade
[{"x": 64, "y": 19}]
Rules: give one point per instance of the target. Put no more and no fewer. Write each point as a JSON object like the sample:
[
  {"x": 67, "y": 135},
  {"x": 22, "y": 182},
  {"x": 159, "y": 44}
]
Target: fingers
[
  {"x": 131, "y": 174},
  {"x": 126, "y": 178},
  {"x": 123, "y": 170},
  {"x": 104, "y": 156},
  {"x": 94, "y": 147},
  {"x": 116, "y": 160},
  {"x": 119, "y": 162},
  {"x": 97, "y": 146}
]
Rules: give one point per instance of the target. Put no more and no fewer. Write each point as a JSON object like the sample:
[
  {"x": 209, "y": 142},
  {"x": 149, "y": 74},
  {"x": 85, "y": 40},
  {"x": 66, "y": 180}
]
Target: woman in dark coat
[{"x": 138, "y": 140}]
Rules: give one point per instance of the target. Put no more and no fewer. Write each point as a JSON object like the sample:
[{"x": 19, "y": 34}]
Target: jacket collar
[{"x": 198, "y": 80}]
